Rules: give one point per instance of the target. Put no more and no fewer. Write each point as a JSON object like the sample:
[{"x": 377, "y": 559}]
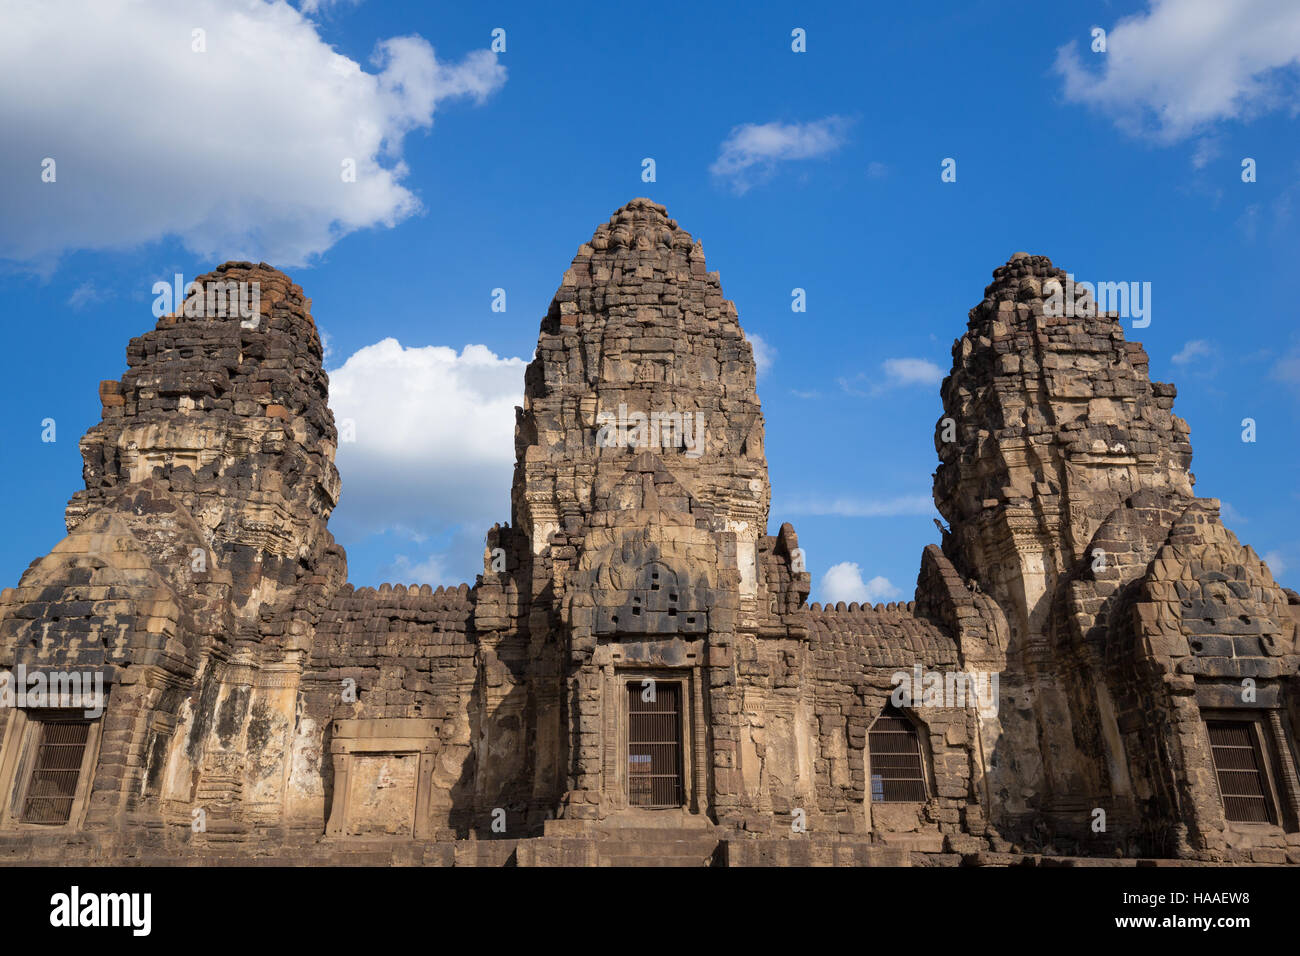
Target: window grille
[
  {"x": 897, "y": 772},
  {"x": 654, "y": 746},
  {"x": 55, "y": 771},
  {"x": 1239, "y": 765}
]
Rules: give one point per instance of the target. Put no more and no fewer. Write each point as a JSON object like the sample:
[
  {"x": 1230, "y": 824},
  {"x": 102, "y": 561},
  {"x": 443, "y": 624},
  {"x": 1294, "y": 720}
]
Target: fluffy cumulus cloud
[
  {"x": 843, "y": 582},
  {"x": 751, "y": 152},
  {"x": 239, "y": 149},
  {"x": 1182, "y": 65},
  {"x": 433, "y": 449}
]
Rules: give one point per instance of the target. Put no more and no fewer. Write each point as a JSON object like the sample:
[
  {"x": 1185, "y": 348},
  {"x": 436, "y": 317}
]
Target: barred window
[
  {"x": 654, "y": 745},
  {"x": 897, "y": 772},
  {"x": 56, "y": 769},
  {"x": 1239, "y": 765}
]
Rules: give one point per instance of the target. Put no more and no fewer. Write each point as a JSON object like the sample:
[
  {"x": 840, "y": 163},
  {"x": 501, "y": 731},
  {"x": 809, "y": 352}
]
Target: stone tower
[
  {"x": 198, "y": 558},
  {"x": 229, "y": 416},
  {"x": 639, "y": 352},
  {"x": 641, "y": 492},
  {"x": 1055, "y": 423},
  {"x": 1063, "y": 472}
]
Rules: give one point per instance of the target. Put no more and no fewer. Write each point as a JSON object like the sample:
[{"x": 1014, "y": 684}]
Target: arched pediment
[
  {"x": 653, "y": 598},
  {"x": 1204, "y": 584}
]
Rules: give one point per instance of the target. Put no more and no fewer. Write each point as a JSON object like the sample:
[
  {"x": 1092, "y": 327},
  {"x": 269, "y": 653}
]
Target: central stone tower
[
  {"x": 640, "y": 497},
  {"x": 640, "y": 352}
]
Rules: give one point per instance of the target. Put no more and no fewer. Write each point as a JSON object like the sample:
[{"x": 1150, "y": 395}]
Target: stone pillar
[
  {"x": 699, "y": 742},
  {"x": 1288, "y": 781}
]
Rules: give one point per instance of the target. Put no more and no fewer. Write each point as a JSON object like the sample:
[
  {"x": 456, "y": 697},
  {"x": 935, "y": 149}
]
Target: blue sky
[{"x": 818, "y": 170}]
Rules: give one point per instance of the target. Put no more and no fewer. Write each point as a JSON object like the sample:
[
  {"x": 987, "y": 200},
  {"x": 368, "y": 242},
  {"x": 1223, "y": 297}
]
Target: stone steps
[
  {"x": 632, "y": 848},
  {"x": 658, "y": 834},
  {"x": 639, "y": 862},
  {"x": 701, "y": 851},
  {"x": 656, "y": 846}
]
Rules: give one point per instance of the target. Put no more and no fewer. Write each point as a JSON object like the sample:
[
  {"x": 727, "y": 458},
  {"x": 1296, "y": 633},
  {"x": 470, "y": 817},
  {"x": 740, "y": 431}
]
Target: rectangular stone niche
[{"x": 383, "y": 774}]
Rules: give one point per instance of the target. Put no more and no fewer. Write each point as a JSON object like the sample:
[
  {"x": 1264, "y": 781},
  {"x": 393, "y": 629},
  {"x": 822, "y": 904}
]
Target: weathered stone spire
[
  {"x": 226, "y": 412},
  {"x": 639, "y": 327},
  {"x": 1050, "y": 421}
]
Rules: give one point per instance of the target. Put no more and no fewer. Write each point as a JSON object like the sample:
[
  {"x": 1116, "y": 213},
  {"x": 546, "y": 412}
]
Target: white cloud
[
  {"x": 1231, "y": 515},
  {"x": 316, "y": 6},
  {"x": 843, "y": 582},
  {"x": 1196, "y": 348},
  {"x": 1275, "y": 563},
  {"x": 877, "y": 171},
  {"x": 1207, "y": 150},
  {"x": 764, "y": 354},
  {"x": 1248, "y": 221},
  {"x": 431, "y": 570},
  {"x": 434, "y": 446},
  {"x": 912, "y": 371},
  {"x": 237, "y": 150},
  {"x": 750, "y": 153},
  {"x": 859, "y": 507},
  {"x": 895, "y": 373},
  {"x": 84, "y": 294},
  {"x": 1183, "y": 65},
  {"x": 1287, "y": 368}
]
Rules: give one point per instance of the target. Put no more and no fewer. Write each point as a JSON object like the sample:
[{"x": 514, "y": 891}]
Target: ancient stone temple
[{"x": 1093, "y": 665}]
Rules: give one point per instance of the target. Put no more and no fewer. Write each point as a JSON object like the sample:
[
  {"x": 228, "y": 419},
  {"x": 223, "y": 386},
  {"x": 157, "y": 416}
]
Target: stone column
[
  {"x": 699, "y": 742},
  {"x": 1288, "y": 781},
  {"x": 339, "y": 808}
]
